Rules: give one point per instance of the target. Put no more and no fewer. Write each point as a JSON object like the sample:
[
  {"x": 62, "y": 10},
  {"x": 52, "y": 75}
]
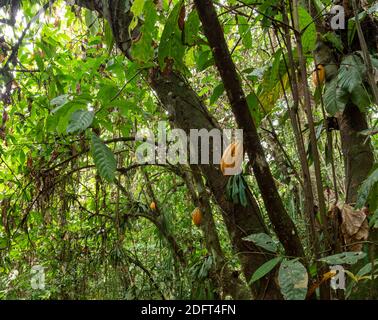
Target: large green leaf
[
  {"x": 262, "y": 240},
  {"x": 367, "y": 187},
  {"x": 351, "y": 73},
  {"x": 307, "y": 26},
  {"x": 254, "y": 108},
  {"x": 59, "y": 101},
  {"x": 344, "y": 258},
  {"x": 335, "y": 40},
  {"x": 80, "y": 120},
  {"x": 142, "y": 49},
  {"x": 59, "y": 118},
  {"x": 171, "y": 45},
  {"x": 204, "y": 60},
  {"x": 245, "y": 32},
  {"x": 360, "y": 97},
  {"x": 293, "y": 280},
  {"x": 137, "y": 7},
  {"x": 373, "y": 222},
  {"x": 192, "y": 27},
  {"x": 218, "y": 91},
  {"x": 103, "y": 158},
  {"x": 368, "y": 268},
  {"x": 265, "y": 269},
  {"x": 335, "y": 98}
]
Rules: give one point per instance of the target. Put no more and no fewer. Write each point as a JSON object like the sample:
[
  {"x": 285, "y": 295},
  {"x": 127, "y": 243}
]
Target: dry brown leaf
[{"x": 355, "y": 227}]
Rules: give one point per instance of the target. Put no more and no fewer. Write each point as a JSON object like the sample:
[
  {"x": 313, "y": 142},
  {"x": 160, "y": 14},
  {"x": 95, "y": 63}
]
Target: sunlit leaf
[
  {"x": 80, "y": 120},
  {"x": 293, "y": 280},
  {"x": 262, "y": 240},
  {"x": 265, "y": 269},
  {"x": 103, "y": 158},
  {"x": 344, "y": 258}
]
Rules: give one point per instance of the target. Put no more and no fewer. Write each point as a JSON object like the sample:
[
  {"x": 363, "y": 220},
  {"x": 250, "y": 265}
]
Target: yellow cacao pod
[
  {"x": 232, "y": 159},
  {"x": 318, "y": 76}
]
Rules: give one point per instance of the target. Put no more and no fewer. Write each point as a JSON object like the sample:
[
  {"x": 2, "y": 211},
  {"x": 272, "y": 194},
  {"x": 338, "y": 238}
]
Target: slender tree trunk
[
  {"x": 357, "y": 151},
  {"x": 225, "y": 279},
  {"x": 188, "y": 112},
  {"x": 282, "y": 223}
]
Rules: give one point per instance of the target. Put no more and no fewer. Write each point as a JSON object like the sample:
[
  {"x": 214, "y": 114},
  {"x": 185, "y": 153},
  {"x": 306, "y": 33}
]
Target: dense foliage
[{"x": 80, "y": 79}]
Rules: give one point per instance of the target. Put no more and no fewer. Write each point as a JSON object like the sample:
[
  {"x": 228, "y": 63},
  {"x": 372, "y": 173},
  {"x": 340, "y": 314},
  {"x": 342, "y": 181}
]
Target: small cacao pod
[
  {"x": 318, "y": 76},
  {"x": 153, "y": 206},
  {"x": 197, "y": 216}
]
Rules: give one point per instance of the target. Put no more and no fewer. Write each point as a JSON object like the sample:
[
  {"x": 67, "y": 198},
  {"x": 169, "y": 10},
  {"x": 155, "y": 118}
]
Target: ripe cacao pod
[
  {"x": 232, "y": 159},
  {"x": 153, "y": 206},
  {"x": 197, "y": 216},
  {"x": 318, "y": 79}
]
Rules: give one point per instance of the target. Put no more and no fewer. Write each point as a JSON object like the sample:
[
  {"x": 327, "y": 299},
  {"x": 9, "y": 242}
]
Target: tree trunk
[
  {"x": 281, "y": 221},
  {"x": 187, "y": 112},
  {"x": 357, "y": 151},
  {"x": 226, "y": 280}
]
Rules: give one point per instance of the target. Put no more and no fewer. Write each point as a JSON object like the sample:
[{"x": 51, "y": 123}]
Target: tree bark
[
  {"x": 228, "y": 281},
  {"x": 357, "y": 151},
  {"x": 188, "y": 112}
]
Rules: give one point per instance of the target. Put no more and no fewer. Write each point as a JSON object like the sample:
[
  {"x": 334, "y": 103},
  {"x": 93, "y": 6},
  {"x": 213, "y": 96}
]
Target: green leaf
[
  {"x": 59, "y": 101},
  {"x": 360, "y": 97},
  {"x": 92, "y": 22},
  {"x": 205, "y": 60},
  {"x": 192, "y": 27},
  {"x": 109, "y": 39},
  {"x": 171, "y": 46},
  {"x": 245, "y": 32},
  {"x": 275, "y": 71},
  {"x": 265, "y": 269},
  {"x": 373, "y": 221},
  {"x": 142, "y": 50},
  {"x": 242, "y": 194},
  {"x": 372, "y": 9},
  {"x": 235, "y": 190},
  {"x": 103, "y": 158},
  {"x": 253, "y": 106},
  {"x": 80, "y": 120},
  {"x": 352, "y": 26},
  {"x": 59, "y": 118},
  {"x": 3, "y": 243},
  {"x": 137, "y": 7},
  {"x": 335, "y": 40},
  {"x": 335, "y": 98},
  {"x": 344, "y": 258},
  {"x": 293, "y": 280},
  {"x": 309, "y": 35},
  {"x": 366, "y": 188},
  {"x": 218, "y": 91},
  {"x": 262, "y": 240},
  {"x": 368, "y": 268},
  {"x": 351, "y": 73}
]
